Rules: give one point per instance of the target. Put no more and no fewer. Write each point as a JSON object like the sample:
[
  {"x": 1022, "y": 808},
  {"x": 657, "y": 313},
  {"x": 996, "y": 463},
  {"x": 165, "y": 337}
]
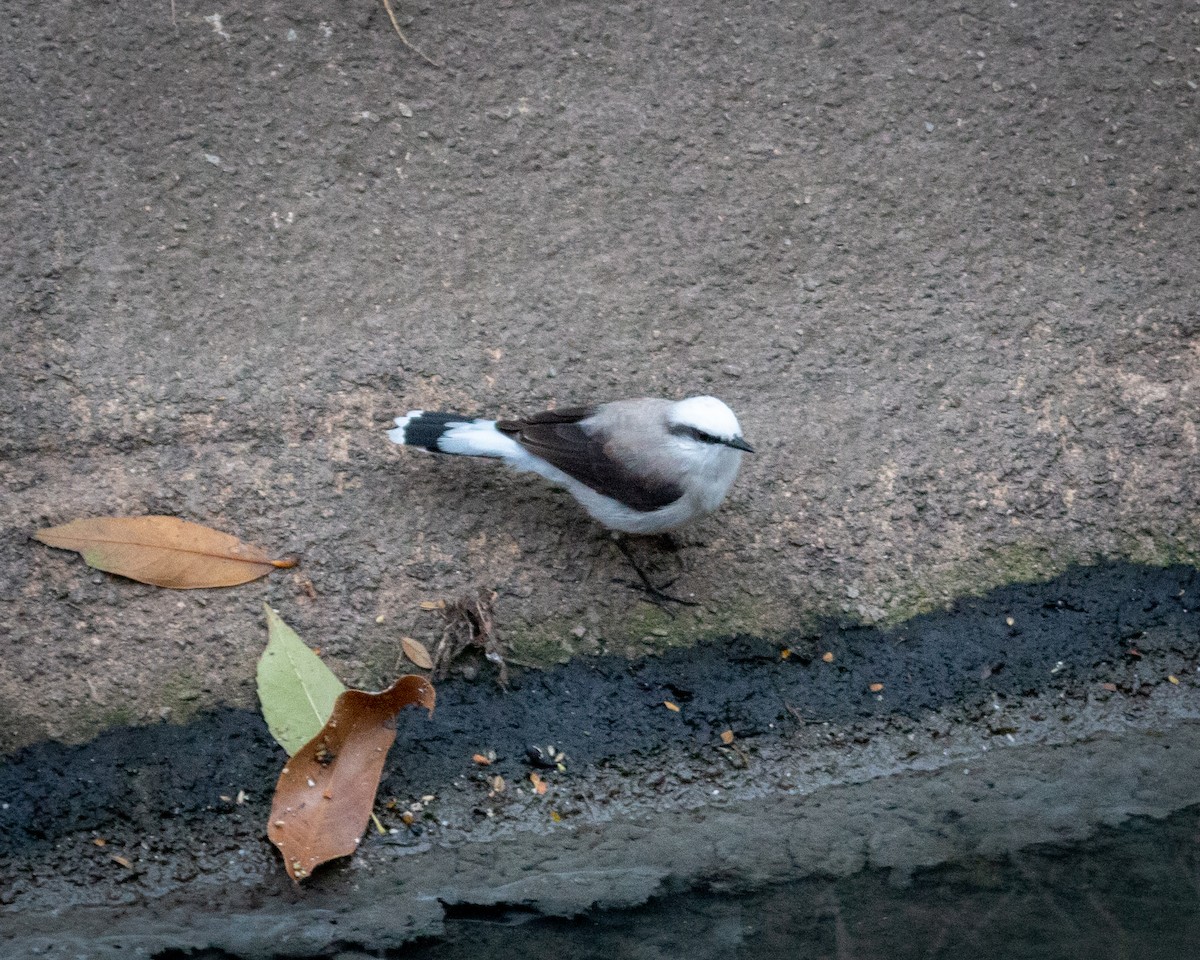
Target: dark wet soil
[
  {"x": 166, "y": 798},
  {"x": 1091, "y": 621}
]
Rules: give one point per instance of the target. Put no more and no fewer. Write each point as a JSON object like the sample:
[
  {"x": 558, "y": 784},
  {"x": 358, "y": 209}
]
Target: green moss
[
  {"x": 1160, "y": 551},
  {"x": 182, "y": 694},
  {"x": 543, "y": 645},
  {"x": 1021, "y": 563},
  {"x": 1030, "y": 562}
]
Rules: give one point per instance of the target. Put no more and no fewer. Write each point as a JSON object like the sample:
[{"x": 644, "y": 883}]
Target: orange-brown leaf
[
  {"x": 417, "y": 653},
  {"x": 164, "y": 551},
  {"x": 325, "y": 793}
]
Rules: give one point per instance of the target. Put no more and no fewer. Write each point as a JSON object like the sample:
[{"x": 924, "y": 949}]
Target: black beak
[{"x": 739, "y": 444}]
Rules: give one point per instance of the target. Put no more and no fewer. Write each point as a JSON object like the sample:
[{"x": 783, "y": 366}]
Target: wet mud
[{"x": 1107, "y": 652}]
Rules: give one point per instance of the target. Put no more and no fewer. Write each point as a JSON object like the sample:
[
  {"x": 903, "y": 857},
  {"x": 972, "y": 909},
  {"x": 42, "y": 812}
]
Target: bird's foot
[{"x": 658, "y": 595}]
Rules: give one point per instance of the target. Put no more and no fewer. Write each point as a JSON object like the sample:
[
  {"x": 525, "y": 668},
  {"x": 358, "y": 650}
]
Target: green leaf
[{"x": 296, "y": 689}]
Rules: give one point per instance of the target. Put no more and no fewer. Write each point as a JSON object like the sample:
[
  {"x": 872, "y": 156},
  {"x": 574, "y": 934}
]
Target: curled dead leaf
[
  {"x": 325, "y": 792},
  {"x": 417, "y": 653},
  {"x": 163, "y": 551}
]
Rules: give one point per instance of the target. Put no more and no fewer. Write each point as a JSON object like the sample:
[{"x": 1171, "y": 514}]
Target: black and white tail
[{"x": 453, "y": 433}]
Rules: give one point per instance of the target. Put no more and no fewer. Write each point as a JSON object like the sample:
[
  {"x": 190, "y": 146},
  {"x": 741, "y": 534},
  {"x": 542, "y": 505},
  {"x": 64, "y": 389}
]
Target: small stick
[{"x": 403, "y": 39}]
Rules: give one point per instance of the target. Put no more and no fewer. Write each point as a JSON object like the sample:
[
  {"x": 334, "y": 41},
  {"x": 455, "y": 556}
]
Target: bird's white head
[{"x": 706, "y": 420}]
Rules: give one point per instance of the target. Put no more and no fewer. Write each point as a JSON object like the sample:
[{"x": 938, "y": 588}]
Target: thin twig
[{"x": 403, "y": 39}]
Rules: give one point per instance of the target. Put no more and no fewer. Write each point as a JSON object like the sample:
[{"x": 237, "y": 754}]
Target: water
[{"x": 1131, "y": 892}]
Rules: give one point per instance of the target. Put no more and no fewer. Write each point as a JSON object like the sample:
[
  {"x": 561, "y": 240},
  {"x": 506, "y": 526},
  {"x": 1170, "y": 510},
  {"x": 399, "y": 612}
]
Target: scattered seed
[{"x": 673, "y": 707}]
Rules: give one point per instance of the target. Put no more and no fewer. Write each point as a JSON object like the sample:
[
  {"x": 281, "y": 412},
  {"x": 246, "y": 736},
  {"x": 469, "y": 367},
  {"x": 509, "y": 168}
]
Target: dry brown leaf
[
  {"x": 164, "y": 551},
  {"x": 325, "y": 793},
  {"x": 417, "y": 653}
]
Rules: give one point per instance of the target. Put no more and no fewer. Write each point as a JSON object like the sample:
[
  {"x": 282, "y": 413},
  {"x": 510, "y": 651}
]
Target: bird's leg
[
  {"x": 672, "y": 543},
  {"x": 658, "y": 594}
]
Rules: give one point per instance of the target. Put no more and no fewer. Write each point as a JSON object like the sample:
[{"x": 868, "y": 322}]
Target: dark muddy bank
[{"x": 1006, "y": 682}]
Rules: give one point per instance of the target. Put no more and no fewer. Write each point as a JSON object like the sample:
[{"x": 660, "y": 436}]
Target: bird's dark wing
[{"x": 557, "y": 437}]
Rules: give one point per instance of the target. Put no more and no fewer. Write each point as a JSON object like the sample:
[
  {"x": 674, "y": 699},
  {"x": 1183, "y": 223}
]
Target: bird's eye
[{"x": 694, "y": 433}]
